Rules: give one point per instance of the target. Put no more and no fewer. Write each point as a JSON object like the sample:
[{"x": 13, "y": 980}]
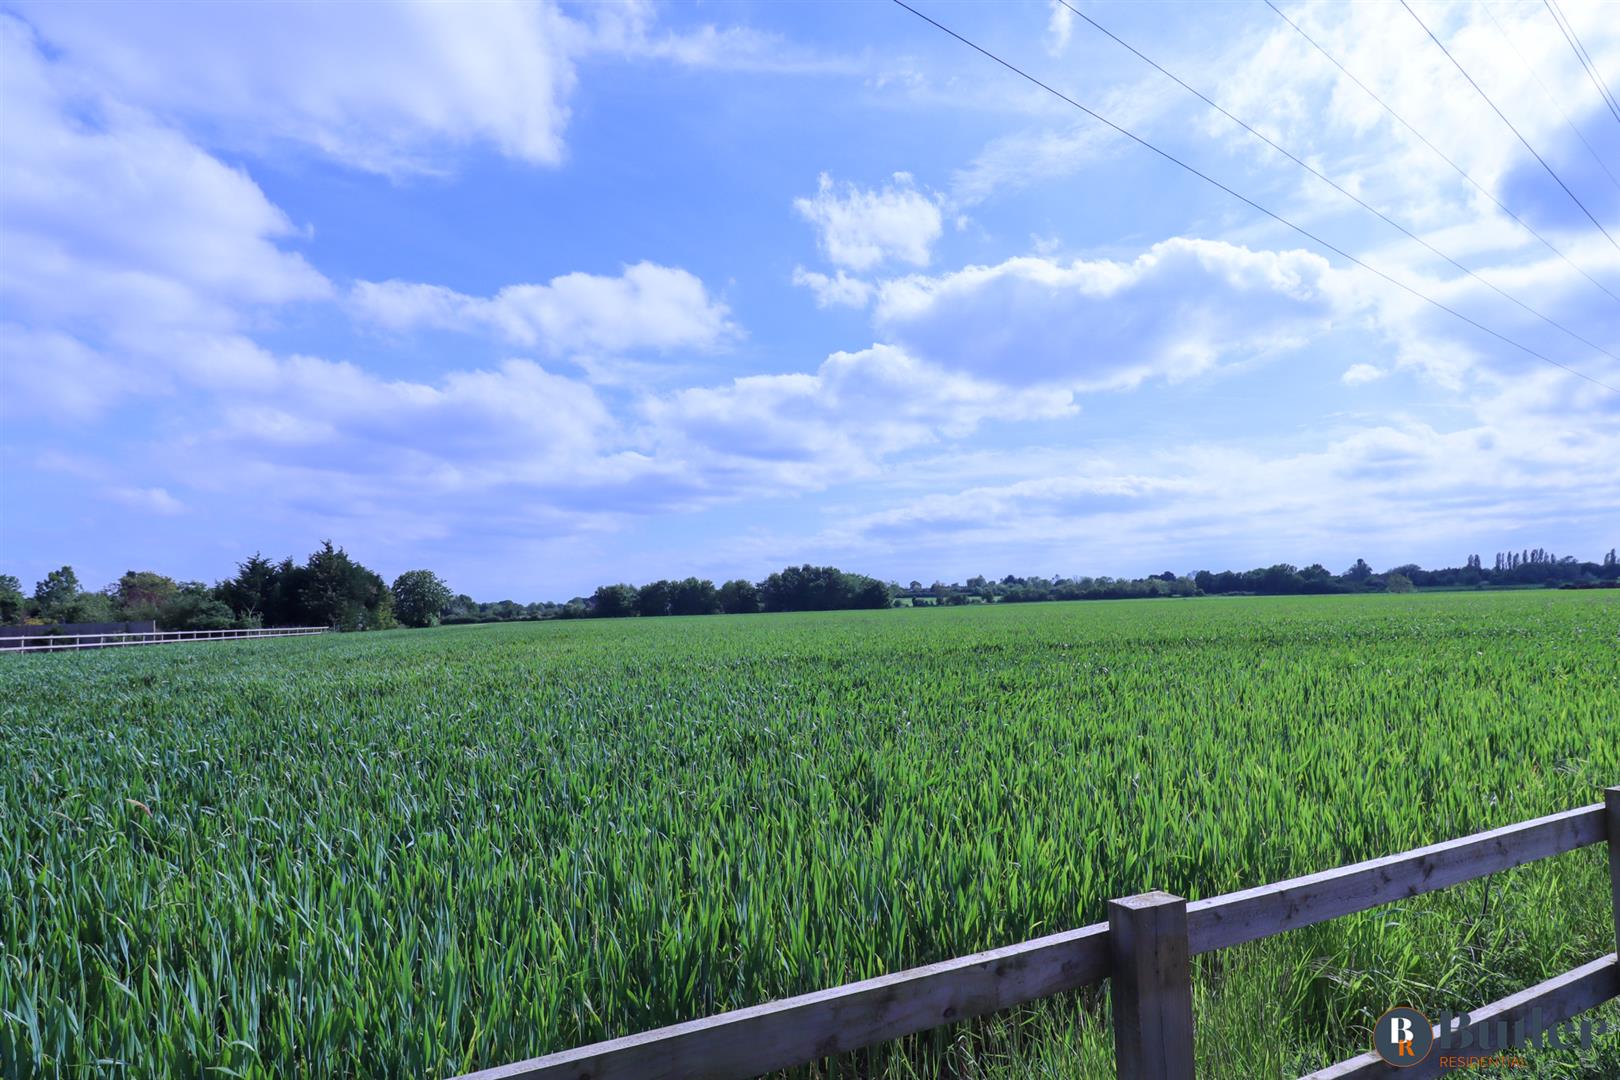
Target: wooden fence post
[
  {"x": 1151, "y": 987},
  {"x": 1611, "y": 812}
]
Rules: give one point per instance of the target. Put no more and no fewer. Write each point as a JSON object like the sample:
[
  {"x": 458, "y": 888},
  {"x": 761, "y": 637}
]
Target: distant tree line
[
  {"x": 1531, "y": 567},
  {"x": 464, "y": 609},
  {"x": 330, "y": 588},
  {"x": 797, "y": 588}
]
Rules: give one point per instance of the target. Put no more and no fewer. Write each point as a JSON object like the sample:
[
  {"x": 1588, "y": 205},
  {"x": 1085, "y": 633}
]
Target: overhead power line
[
  {"x": 1509, "y": 123},
  {"x": 1548, "y": 94},
  {"x": 1582, "y": 55},
  {"x": 1021, "y": 73},
  {"x": 1334, "y": 184},
  {"x": 1441, "y": 154}
]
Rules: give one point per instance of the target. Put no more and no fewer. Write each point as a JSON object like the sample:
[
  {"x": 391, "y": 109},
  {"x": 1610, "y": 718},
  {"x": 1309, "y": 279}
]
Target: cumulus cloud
[
  {"x": 646, "y": 307},
  {"x": 334, "y": 439},
  {"x": 839, "y": 291},
  {"x": 520, "y": 405},
  {"x": 393, "y": 88},
  {"x": 860, "y": 228},
  {"x": 380, "y": 93},
  {"x": 1361, "y": 374},
  {"x": 1390, "y": 486},
  {"x": 335, "y": 442},
  {"x": 1282, "y": 85},
  {"x": 125, "y": 239},
  {"x": 1175, "y": 311},
  {"x": 856, "y": 409}
]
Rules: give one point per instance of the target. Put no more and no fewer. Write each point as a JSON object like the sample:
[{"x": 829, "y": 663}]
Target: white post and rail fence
[
  {"x": 94, "y": 640},
  {"x": 1146, "y": 948}
]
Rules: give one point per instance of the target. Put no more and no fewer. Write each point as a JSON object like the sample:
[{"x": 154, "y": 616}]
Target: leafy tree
[
  {"x": 379, "y": 615},
  {"x": 1397, "y": 582},
  {"x": 1279, "y": 580},
  {"x": 694, "y": 596},
  {"x": 142, "y": 594},
  {"x": 739, "y": 597},
  {"x": 256, "y": 591},
  {"x": 802, "y": 588},
  {"x": 820, "y": 588},
  {"x": 868, "y": 592},
  {"x": 339, "y": 592},
  {"x": 194, "y": 606},
  {"x": 94, "y": 607},
  {"x": 325, "y": 596},
  {"x": 419, "y": 598},
  {"x": 654, "y": 598},
  {"x": 1359, "y": 573},
  {"x": 57, "y": 596},
  {"x": 614, "y": 602},
  {"x": 11, "y": 599},
  {"x": 1316, "y": 575}
]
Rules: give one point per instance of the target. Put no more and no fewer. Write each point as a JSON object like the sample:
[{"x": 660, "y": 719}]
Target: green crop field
[{"x": 417, "y": 852}]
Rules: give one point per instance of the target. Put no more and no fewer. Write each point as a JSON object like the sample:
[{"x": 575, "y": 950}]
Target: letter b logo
[{"x": 1403, "y": 1037}]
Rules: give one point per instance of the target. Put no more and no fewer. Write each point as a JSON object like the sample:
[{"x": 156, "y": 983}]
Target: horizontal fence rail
[
  {"x": 1145, "y": 947},
  {"x": 747, "y": 1042},
  {"x": 1223, "y": 921},
  {"x": 55, "y": 642}
]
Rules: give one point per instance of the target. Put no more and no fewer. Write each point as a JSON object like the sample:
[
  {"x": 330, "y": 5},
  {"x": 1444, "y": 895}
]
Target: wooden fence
[
  {"x": 1145, "y": 947},
  {"x": 53, "y": 642}
]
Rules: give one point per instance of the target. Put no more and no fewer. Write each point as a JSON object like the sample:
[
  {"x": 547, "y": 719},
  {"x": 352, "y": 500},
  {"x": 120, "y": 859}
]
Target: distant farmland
[{"x": 419, "y": 852}]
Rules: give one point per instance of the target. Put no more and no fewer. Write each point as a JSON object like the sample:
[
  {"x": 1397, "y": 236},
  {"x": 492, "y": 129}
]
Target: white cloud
[
  {"x": 1361, "y": 374},
  {"x": 49, "y": 373},
  {"x": 394, "y": 88},
  {"x": 333, "y": 439},
  {"x": 336, "y": 442},
  {"x": 131, "y": 254},
  {"x": 646, "y": 307},
  {"x": 808, "y": 429},
  {"x": 153, "y": 500},
  {"x": 106, "y": 198},
  {"x": 839, "y": 291},
  {"x": 628, "y": 29},
  {"x": 860, "y": 229},
  {"x": 1175, "y": 311},
  {"x": 387, "y": 90},
  {"x": 1391, "y": 487},
  {"x": 1058, "y": 28},
  {"x": 1282, "y": 85}
]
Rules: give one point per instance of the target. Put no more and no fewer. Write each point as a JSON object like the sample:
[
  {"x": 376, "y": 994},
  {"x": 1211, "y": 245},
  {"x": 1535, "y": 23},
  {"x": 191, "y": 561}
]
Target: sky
[{"x": 546, "y": 296}]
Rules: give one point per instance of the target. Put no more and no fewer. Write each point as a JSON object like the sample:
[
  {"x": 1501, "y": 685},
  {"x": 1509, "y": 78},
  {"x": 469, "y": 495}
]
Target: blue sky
[{"x": 542, "y": 297}]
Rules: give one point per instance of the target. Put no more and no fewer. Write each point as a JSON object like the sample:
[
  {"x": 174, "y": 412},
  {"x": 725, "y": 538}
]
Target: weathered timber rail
[
  {"x": 1145, "y": 948},
  {"x": 55, "y": 642}
]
